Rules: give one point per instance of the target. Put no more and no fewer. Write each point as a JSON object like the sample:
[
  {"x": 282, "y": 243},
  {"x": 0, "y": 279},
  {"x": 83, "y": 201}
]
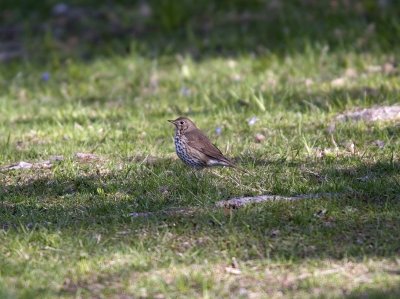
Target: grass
[{"x": 67, "y": 232}]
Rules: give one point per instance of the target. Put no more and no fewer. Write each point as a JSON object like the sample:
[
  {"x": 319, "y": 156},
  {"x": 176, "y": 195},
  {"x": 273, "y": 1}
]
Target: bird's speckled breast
[{"x": 181, "y": 148}]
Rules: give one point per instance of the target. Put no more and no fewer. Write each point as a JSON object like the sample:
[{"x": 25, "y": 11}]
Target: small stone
[
  {"x": 259, "y": 138},
  {"x": 86, "y": 156},
  {"x": 233, "y": 271}
]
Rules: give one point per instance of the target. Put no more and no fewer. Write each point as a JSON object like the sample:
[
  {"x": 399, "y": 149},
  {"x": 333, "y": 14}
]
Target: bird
[{"x": 194, "y": 148}]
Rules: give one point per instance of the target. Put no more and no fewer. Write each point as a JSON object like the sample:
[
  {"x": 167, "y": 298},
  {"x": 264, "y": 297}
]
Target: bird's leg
[
  {"x": 195, "y": 172},
  {"x": 234, "y": 180}
]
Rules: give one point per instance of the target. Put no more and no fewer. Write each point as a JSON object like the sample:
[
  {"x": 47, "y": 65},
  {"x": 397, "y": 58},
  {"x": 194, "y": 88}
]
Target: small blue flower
[
  {"x": 185, "y": 91},
  {"x": 252, "y": 121},
  {"x": 45, "y": 76},
  {"x": 218, "y": 130}
]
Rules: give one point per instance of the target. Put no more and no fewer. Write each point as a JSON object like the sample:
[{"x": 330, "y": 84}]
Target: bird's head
[{"x": 183, "y": 124}]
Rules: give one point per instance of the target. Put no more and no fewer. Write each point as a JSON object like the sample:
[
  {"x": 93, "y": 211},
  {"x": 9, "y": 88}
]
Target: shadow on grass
[
  {"x": 381, "y": 293},
  {"x": 361, "y": 222},
  {"x": 200, "y": 30}
]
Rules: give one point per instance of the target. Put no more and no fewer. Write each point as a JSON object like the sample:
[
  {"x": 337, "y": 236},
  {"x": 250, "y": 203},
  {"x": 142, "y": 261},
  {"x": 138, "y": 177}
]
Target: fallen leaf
[
  {"x": 372, "y": 114},
  {"x": 237, "y": 202},
  {"x": 233, "y": 271},
  {"x": 84, "y": 157},
  {"x": 338, "y": 82},
  {"x": 19, "y": 165}
]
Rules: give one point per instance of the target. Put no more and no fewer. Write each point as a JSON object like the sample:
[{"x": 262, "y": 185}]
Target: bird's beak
[{"x": 171, "y": 121}]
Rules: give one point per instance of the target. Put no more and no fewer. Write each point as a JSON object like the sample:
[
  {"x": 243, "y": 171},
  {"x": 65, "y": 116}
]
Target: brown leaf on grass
[
  {"x": 86, "y": 157},
  {"x": 338, "y": 82},
  {"x": 34, "y": 165},
  {"x": 387, "y": 68},
  {"x": 242, "y": 201},
  {"x": 19, "y": 165},
  {"x": 374, "y": 68},
  {"x": 232, "y": 203},
  {"x": 233, "y": 271},
  {"x": 379, "y": 113}
]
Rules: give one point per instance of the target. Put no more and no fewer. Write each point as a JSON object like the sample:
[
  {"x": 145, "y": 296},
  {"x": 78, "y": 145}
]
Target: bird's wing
[{"x": 200, "y": 142}]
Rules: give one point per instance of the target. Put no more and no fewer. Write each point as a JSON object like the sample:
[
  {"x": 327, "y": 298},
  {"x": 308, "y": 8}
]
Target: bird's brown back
[{"x": 200, "y": 142}]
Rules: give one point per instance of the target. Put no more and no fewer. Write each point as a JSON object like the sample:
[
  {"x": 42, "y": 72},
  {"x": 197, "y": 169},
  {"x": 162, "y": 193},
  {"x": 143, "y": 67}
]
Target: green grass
[{"x": 67, "y": 231}]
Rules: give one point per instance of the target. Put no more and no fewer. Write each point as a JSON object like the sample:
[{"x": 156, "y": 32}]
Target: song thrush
[{"x": 194, "y": 148}]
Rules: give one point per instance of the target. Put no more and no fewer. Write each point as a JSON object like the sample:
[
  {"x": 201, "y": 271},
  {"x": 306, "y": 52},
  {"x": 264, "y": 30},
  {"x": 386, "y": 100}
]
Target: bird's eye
[{"x": 181, "y": 122}]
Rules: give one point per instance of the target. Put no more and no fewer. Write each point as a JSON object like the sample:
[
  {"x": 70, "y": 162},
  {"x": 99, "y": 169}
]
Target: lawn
[{"x": 104, "y": 209}]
